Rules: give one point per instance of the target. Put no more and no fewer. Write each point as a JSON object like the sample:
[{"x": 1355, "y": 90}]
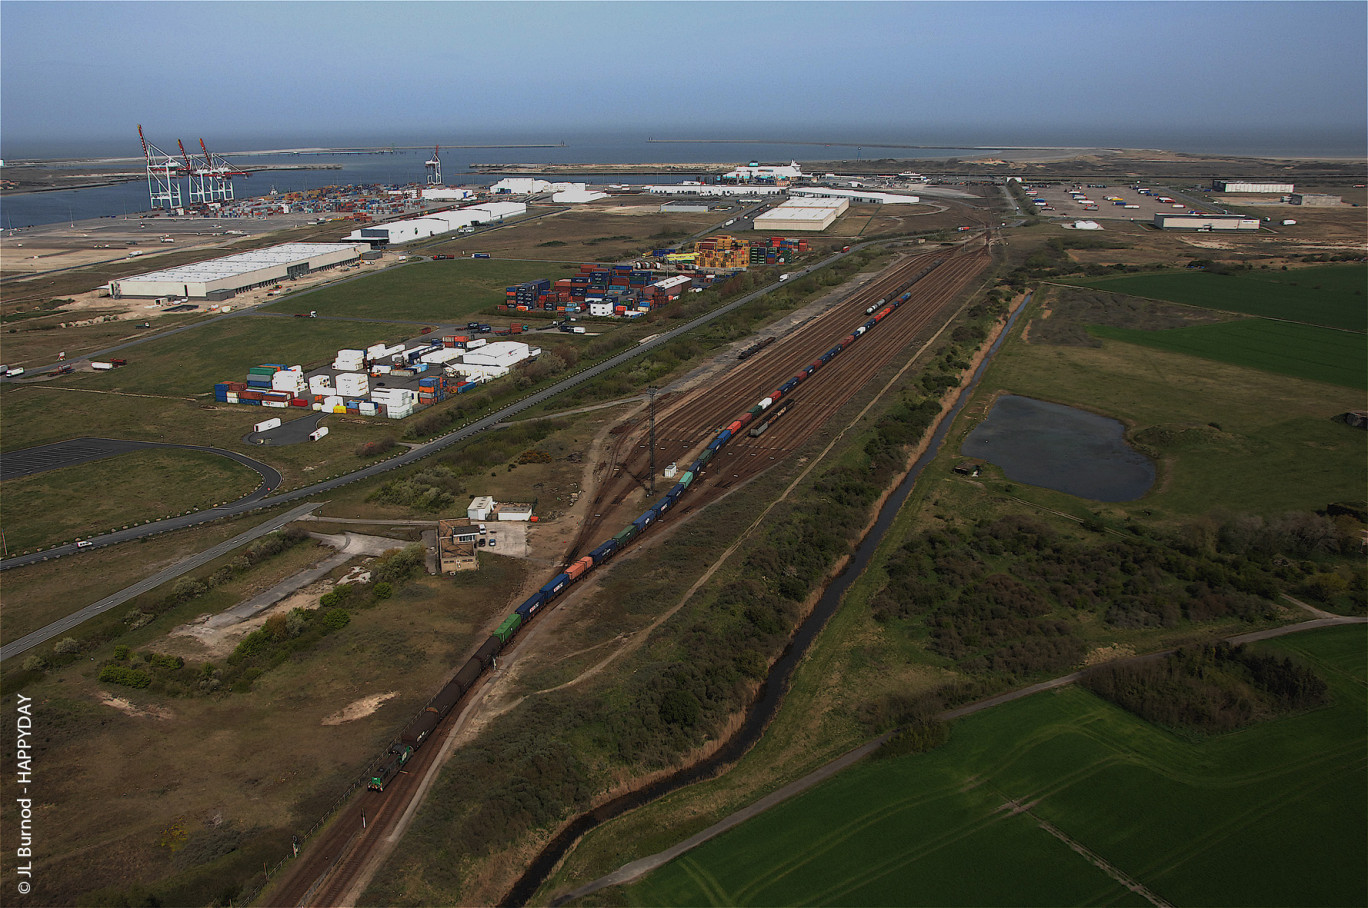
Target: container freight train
[{"x": 425, "y": 722}]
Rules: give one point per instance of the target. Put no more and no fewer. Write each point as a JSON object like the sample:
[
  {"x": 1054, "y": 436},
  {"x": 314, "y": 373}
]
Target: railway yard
[{"x": 633, "y": 577}]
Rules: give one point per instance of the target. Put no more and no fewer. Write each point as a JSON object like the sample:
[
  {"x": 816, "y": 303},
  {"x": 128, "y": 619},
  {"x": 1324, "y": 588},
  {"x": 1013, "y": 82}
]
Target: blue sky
[{"x": 925, "y": 72}]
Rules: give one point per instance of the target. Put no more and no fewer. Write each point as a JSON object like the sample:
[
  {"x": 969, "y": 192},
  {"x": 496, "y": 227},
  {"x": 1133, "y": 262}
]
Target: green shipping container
[{"x": 510, "y": 627}]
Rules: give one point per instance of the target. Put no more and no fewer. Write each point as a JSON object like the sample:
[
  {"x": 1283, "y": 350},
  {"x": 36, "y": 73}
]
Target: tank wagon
[{"x": 418, "y": 730}]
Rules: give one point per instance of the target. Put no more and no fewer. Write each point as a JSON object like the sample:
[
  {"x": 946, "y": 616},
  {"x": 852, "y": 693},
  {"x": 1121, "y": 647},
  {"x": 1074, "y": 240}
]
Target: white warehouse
[
  {"x": 437, "y": 223},
  {"x": 854, "y": 196},
  {"x": 802, "y": 214},
  {"x": 222, "y": 278}
]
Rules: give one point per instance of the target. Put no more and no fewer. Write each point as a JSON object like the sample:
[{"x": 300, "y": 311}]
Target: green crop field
[
  {"x": 434, "y": 292},
  {"x": 1328, "y": 355},
  {"x": 1331, "y": 296},
  {"x": 1062, "y": 798}
]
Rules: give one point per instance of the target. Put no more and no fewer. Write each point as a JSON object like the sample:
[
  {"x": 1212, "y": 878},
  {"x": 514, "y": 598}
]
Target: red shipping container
[{"x": 298, "y": 402}]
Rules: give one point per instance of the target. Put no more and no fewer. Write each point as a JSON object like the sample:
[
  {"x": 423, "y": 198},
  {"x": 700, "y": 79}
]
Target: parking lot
[{"x": 1109, "y": 201}]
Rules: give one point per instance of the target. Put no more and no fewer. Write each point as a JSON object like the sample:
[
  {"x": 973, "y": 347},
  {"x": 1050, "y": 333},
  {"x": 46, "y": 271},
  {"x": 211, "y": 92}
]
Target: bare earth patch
[
  {"x": 358, "y": 709},
  {"x": 198, "y": 640},
  {"x": 123, "y": 706},
  {"x": 1108, "y": 654}
]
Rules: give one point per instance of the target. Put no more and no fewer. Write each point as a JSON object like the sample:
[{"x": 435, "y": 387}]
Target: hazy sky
[{"x": 925, "y": 72}]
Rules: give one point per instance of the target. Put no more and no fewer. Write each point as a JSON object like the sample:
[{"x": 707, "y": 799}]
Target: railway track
[
  {"x": 687, "y": 421},
  {"x": 338, "y": 857}
]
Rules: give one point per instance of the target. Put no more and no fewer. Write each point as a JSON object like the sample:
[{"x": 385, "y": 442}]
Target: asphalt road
[
  {"x": 28, "y": 641},
  {"x": 76, "y": 451},
  {"x": 416, "y": 453}
]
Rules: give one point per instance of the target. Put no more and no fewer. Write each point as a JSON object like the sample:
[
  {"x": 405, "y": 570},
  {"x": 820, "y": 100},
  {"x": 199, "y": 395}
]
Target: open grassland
[
  {"x": 191, "y": 363},
  {"x": 60, "y": 505},
  {"x": 1226, "y": 438},
  {"x": 37, "y": 341},
  {"x": 1336, "y": 357},
  {"x": 1331, "y": 296},
  {"x": 1271, "y": 815},
  {"x": 436, "y": 293},
  {"x": 188, "y": 797},
  {"x": 605, "y": 231}
]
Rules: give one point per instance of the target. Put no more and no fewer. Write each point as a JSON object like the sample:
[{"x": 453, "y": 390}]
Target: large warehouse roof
[
  {"x": 246, "y": 262},
  {"x": 854, "y": 195}
]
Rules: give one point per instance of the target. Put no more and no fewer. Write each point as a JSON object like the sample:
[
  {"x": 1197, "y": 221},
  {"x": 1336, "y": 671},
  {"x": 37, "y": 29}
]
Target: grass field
[
  {"x": 1271, "y": 815},
  {"x": 1331, "y": 296},
  {"x": 1328, "y": 355},
  {"x": 60, "y": 505},
  {"x": 192, "y": 362},
  {"x": 433, "y": 292}
]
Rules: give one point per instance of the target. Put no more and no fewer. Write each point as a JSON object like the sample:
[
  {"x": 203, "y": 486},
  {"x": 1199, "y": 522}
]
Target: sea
[{"x": 399, "y": 161}]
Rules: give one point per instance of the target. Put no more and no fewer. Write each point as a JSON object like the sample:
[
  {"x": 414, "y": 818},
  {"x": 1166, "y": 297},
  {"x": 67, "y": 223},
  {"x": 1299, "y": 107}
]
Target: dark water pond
[{"x": 1060, "y": 448}]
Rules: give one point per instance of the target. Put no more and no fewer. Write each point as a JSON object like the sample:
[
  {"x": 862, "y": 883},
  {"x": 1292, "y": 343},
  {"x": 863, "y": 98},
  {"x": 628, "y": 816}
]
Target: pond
[{"x": 1060, "y": 448}]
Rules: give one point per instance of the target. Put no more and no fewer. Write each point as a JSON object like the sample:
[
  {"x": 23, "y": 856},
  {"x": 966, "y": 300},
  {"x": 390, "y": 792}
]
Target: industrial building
[
  {"x": 802, "y": 214},
  {"x": 1243, "y": 186},
  {"x": 710, "y": 189},
  {"x": 685, "y": 208},
  {"x": 763, "y": 173},
  {"x": 1316, "y": 200},
  {"x": 491, "y": 361},
  {"x": 1205, "y": 222},
  {"x": 446, "y": 194},
  {"x": 854, "y": 196},
  {"x": 575, "y": 194},
  {"x": 436, "y": 223},
  {"x": 222, "y": 278}
]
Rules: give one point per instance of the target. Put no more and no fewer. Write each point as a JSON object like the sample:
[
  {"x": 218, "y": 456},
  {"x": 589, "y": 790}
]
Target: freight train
[{"x": 426, "y": 721}]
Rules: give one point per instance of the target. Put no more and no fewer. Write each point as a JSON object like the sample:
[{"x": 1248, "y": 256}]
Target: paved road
[
  {"x": 631, "y": 871},
  {"x": 418, "y": 452},
  {"x": 75, "y": 451},
  {"x": 183, "y": 566}
]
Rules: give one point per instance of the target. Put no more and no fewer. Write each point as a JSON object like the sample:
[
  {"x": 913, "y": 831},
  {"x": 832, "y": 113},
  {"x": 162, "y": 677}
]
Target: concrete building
[
  {"x": 1205, "y": 222},
  {"x": 854, "y": 196},
  {"x": 1316, "y": 200},
  {"x": 480, "y": 508},
  {"x": 222, "y": 278},
  {"x": 1247, "y": 186}
]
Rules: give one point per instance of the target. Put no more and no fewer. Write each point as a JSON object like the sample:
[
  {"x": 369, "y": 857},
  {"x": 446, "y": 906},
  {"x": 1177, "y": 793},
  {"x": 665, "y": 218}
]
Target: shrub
[
  {"x": 128, "y": 677},
  {"x": 336, "y": 619},
  {"x": 67, "y": 646}
]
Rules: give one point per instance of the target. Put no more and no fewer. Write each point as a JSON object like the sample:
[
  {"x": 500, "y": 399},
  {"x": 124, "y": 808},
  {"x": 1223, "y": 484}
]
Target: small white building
[{"x": 480, "y": 508}]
